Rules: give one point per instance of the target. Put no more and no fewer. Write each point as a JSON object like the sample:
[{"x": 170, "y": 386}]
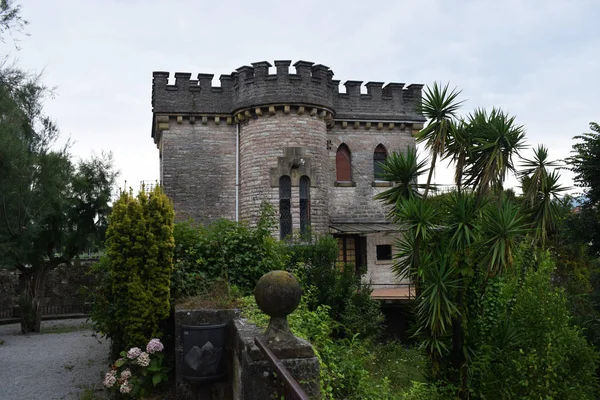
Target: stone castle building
[{"x": 294, "y": 140}]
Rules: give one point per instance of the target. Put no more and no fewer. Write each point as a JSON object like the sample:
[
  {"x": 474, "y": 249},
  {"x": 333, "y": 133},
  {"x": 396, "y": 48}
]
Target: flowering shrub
[{"x": 137, "y": 372}]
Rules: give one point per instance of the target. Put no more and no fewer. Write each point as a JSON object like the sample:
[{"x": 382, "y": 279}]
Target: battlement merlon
[{"x": 312, "y": 84}]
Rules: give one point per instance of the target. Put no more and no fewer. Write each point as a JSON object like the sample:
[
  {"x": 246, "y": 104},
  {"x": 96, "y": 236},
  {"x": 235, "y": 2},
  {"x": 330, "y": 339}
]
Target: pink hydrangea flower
[
  {"x": 133, "y": 353},
  {"x": 154, "y": 346},
  {"x": 143, "y": 360},
  {"x": 109, "y": 379},
  {"x": 125, "y": 387},
  {"x": 126, "y": 374}
]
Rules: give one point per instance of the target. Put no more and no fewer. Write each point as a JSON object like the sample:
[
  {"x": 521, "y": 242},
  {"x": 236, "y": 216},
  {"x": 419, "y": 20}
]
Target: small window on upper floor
[
  {"x": 379, "y": 156},
  {"x": 343, "y": 164}
]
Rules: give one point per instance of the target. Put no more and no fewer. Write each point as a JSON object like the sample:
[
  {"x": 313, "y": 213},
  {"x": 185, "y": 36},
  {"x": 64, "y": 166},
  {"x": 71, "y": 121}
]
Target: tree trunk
[
  {"x": 458, "y": 342},
  {"x": 433, "y": 160},
  {"x": 33, "y": 290}
]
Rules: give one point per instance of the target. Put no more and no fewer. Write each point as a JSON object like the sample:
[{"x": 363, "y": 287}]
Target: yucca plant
[
  {"x": 545, "y": 212},
  {"x": 536, "y": 171},
  {"x": 440, "y": 106},
  {"x": 458, "y": 148},
  {"x": 403, "y": 170},
  {"x": 496, "y": 140},
  {"x": 417, "y": 217},
  {"x": 501, "y": 224}
]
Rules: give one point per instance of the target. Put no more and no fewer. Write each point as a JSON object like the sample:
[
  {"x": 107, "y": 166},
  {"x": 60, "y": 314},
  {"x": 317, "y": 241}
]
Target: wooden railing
[{"x": 291, "y": 388}]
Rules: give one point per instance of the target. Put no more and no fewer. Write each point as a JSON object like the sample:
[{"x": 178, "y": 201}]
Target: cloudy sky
[{"x": 537, "y": 59}]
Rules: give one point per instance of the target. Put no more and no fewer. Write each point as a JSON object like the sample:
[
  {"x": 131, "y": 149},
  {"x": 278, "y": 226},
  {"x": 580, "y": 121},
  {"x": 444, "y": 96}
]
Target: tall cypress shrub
[{"x": 138, "y": 264}]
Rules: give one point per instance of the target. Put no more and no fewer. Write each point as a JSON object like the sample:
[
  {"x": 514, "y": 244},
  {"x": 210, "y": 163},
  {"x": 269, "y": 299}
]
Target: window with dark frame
[
  {"x": 285, "y": 208},
  {"x": 304, "y": 204},
  {"x": 343, "y": 164},
  {"x": 379, "y": 156},
  {"x": 384, "y": 252},
  {"x": 352, "y": 251}
]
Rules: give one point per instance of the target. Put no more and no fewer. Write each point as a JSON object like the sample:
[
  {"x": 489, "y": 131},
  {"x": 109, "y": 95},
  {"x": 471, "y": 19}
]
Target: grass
[
  {"x": 85, "y": 326},
  {"x": 402, "y": 365}
]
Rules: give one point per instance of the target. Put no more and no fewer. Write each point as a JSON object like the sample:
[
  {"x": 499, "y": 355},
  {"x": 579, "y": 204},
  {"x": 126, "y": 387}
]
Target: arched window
[
  {"x": 379, "y": 157},
  {"x": 343, "y": 164},
  {"x": 285, "y": 207},
  {"x": 304, "y": 204}
]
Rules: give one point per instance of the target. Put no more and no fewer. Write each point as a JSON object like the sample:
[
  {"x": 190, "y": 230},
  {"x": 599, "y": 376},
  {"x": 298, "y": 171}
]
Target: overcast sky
[{"x": 537, "y": 59}]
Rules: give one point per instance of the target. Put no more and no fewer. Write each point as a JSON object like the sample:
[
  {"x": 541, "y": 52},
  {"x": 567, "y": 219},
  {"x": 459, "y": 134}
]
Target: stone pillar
[
  {"x": 277, "y": 294},
  {"x": 189, "y": 390}
]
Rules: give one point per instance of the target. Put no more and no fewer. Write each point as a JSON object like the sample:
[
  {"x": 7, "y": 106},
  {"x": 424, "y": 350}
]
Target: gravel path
[{"x": 67, "y": 362}]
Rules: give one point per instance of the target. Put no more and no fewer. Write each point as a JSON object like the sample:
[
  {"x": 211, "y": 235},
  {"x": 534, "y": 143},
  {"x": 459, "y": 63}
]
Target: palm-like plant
[
  {"x": 458, "y": 149},
  {"x": 545, "y": 211},
  {"x": 418, "y": 218},
  {"x": 403, "y": 169},
  {"x": 440, "y": 106},
  {"x": 437, "y": 307},
  {"x": 536, "y": 171},
  {"x": 501, "y": 225},
  {"x": 497, "y": 139}
]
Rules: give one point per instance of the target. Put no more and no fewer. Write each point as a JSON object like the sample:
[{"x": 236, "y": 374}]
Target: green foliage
[
  {"x": 530, "y": 350},
  {"x": 137, "y": 376},
  {"x": 351, "y": 368},
  {"x": 440, "y": 106},
  {"x": 403, "y": 169},
  {"x": 133, "y": 296},
  {"x": 234, "y": 252},
  {"x": 428, "y": 391},
  {"x": 362, "y": 315},
  {"x": 51, "y": 208},
  {"x": 10, "y": 18},
  {"x": 496, "y": 139},
  {"x": 585, "y": 163},
  {"x": 338, "y": 287}
]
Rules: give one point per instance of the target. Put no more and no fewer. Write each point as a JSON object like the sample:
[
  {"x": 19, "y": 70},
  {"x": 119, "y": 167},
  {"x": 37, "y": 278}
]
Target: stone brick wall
[
  {"x": 65, "y": 285},
  {"x": 198, "y": 169},
  {"x": 263, "y": 141},
  {"x": 379, "y": 272},
  {"x": 355, "y": 203}
]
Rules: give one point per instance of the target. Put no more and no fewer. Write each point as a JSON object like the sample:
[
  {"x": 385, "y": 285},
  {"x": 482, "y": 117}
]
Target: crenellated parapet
[
  {"x": 391, "y": 102},
  {"x": 192, "y": 96},
  {"x": 246, "y": 91},
  {"x": 310, "y": 85}
]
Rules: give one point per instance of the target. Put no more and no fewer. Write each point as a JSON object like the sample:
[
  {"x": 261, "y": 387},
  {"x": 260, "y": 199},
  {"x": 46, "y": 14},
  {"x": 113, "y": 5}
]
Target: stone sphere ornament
[{"x": 278, "y": 294}]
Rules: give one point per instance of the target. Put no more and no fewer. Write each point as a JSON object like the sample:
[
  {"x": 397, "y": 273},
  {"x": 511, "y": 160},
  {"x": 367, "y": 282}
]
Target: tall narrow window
[
  {"x": 285, "y": 208},
  {"x": 379, "y": 157},
  {"x": 304, "y": 204},
  {"x": 343, "y": 163}
]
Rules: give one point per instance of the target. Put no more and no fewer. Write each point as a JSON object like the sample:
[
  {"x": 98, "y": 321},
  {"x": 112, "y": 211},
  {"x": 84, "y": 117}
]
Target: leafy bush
[
  {"x": 351, "y": 368},
  {"x": 362, "y": 314},
  {"x": 137, "y": 372},
  {"x": 227, "y": 250},
  {"x": 132, "y": 298},
  {"x": 532, "y": 350},
  {"x": 337, "y": 287}
]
